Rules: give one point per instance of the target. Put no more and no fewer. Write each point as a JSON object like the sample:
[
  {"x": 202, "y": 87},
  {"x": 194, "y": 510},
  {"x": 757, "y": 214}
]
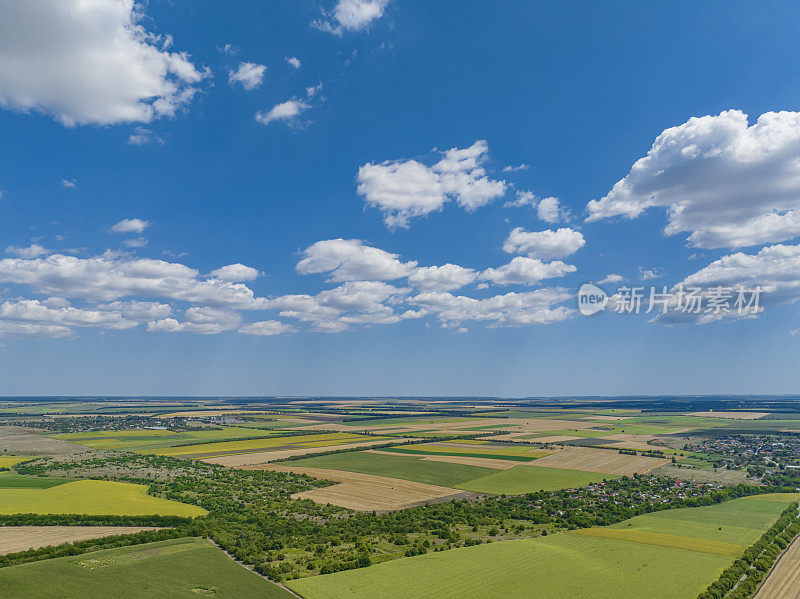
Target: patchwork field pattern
[
  {"x": 93, "y": 497},
  {"x": 567, "y": 564},
  {"x": 366, "y": 492},
  {"x": 22, "y": 538},
  {"x": 406, "y": 467},
  {"x": 177, "y": 568}
]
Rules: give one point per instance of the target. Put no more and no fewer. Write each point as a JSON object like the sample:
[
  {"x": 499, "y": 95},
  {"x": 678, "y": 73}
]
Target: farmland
[
  {"x": 91, "y": 497},
  {"x": 21, "y": 538},
  {"x": 612, "y": 567},
  {"x": 179, "y": 568},
  {"x": 783, "y": 582},
  {"x": 410, "y": 467}
]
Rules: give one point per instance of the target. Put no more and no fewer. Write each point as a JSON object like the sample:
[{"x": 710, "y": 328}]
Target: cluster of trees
[
  {"x": 741, "y": 580},
  {"x": 89, "y": 520}
]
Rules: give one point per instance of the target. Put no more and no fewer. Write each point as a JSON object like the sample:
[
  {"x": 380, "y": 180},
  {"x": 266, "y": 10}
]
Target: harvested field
[
  {"x": 262, "y": 457},
  {"x": 731, "y": 415},
  {"x": 16, "y": 439},
  {"x": 783, "y": 581},
  {"x": 366, "y": 492},
  {"x": 600, "y": 460},
  {"x": 274, "y": 442},
  {"x": 22, "y": 538}
]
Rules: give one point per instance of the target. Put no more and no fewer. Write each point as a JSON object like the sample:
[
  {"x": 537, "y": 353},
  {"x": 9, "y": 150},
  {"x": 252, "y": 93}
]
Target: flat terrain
[
  {"x": 366, "y": 492},
  {"x": 19, "y": 440},
  {"x": 783, "y": 582},
  {"x": 733, "y": 415},
  {"x": 600, "y": 460},
  {"x": 21, "y": 538},
  {"x": 262, "y": 457},
  {"x": 688, "y": 554},
  {"x": 527, "y": 478},
  {"x": 93, "y": 497},
  {"x": 179, "y": 568},
  {"x": 407, "y": 467}
]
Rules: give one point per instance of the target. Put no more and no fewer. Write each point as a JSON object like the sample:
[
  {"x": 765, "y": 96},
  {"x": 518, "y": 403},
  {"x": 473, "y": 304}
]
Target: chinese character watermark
[{"x": 712, "y": 301}]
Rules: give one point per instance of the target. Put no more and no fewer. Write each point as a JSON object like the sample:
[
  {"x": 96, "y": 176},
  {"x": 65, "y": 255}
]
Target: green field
[
  {"x": 188, "y": 568},
  {"x": 527, "y": 479},
  {"x": 12, "y": 480},
  {"x": 94, "y": 497},
  {"x": 11, "y": 460},
  {"x": 675, "y": 555},
  {"x": 397, "y": 466}
]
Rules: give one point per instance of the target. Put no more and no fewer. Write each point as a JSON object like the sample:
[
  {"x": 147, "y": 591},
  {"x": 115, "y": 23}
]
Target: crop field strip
[
  {"x": 569, "y": 563},
  {"x": 273, "y": 443},
  {"x": 22, "y": 538},
  {"x": 367, "y": 492},
  {"x": 600, "y": 460},
  {"x": 177, "y": 568},
  {"x": 783, "y": 581},
  {"x": 92, "y": 497}
]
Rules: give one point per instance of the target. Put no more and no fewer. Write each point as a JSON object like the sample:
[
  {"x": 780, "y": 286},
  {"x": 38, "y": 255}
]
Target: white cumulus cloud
[
  {"x": 235, "y": 273},
  {"x": 526, "y": 271},
  {"x": 249, "y": 74},
  {"x": 285, "y": 111},
  {"x": 130, "y": 225},
  {"x": 351, "y": 15},
  {"x": 408, "y": 189},
  {"x": 89, "y": 62},
  {"x": 723, "y": 181},
  {"x": 544, "y": 244},
  {"x": 352, "y": 260}
]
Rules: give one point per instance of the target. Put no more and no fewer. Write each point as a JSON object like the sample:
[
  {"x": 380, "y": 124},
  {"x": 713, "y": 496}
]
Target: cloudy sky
[{"x": 394, "y": 197}]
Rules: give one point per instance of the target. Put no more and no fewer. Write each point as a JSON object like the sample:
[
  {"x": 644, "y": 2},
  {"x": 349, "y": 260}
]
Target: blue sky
[{"x": 409, "y": 204}]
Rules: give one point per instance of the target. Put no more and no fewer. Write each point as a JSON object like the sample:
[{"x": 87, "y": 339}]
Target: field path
[
  {"x": 22, "y": 538},
  {"x": 783, "y": 581},
  {"x": 367, "y": 492}
]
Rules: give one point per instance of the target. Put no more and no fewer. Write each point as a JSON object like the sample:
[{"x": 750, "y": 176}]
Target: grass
[
  {"x": 265, "y": 444},
  {"x": 527, "y": 479},
  {"x": 624, "y": 561},
  {"x": 12, "y": 480},
  {"x": 178, "y": 568},
  {"x": 93, "y": 497},
  {"x": 396, "y": 466}
]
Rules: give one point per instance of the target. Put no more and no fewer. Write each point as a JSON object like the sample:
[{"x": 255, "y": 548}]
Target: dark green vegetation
[
  {"x": 252, "y": 516},
  {"x": 11, "y": 480},
  {"x": 174, "y": 568},
  {"x": 493, "y": 456},
  {"x": 741, "y": 580}
]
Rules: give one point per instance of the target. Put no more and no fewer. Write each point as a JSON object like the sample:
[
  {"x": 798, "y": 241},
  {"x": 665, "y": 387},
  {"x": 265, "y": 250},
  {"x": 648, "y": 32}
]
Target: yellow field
[
  {"x": 92, "y": 497},
  {"x": 664, "y": 540},
  {"x": 8, "y": 461},
  {"x": 254, "y": 445}
]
